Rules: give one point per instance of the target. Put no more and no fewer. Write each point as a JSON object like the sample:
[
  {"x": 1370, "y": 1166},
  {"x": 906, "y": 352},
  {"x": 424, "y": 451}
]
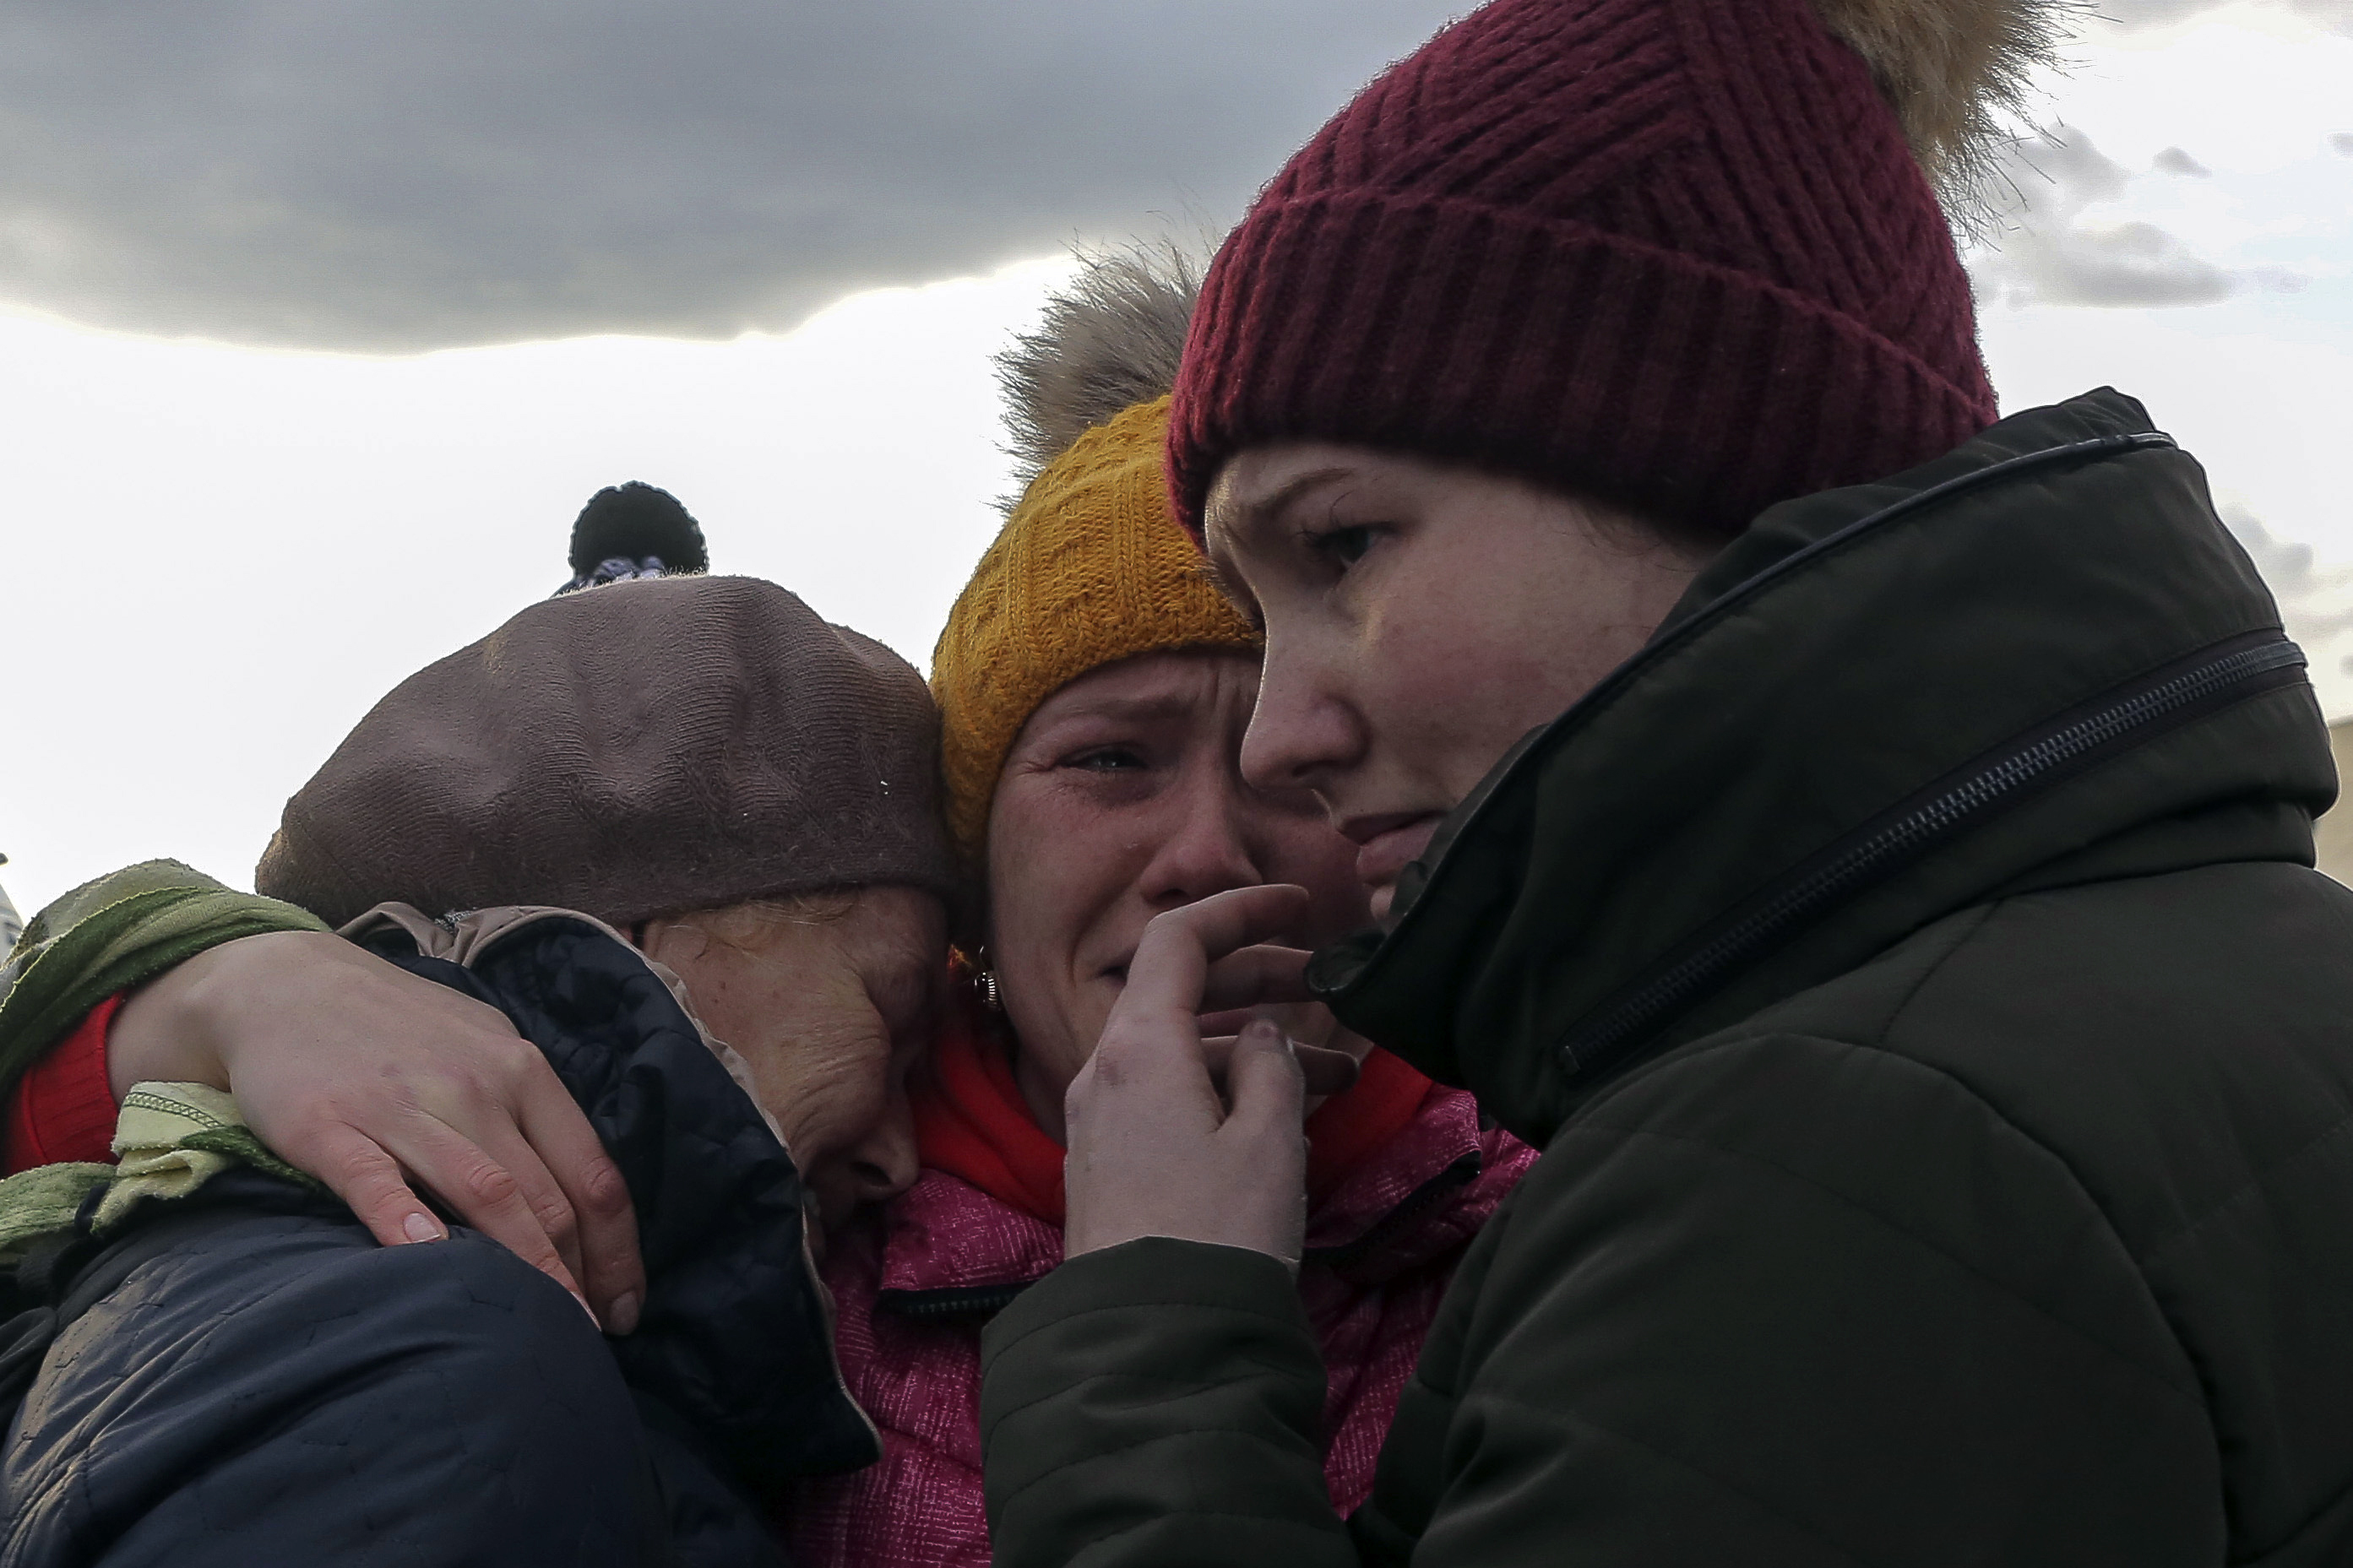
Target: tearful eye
[
  {"x": 1342, "y": 546},
  {"x": 1107, "y": 760}
]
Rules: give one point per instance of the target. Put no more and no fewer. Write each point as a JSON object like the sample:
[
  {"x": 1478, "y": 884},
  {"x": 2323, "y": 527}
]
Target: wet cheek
[
  {"x": 1051, "y": 887},
  {"x": 1025, "y": 837}
]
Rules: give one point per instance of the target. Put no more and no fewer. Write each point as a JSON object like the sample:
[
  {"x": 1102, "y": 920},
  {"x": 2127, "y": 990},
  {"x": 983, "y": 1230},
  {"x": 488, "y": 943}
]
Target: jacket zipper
[
  {"x": 2233, "y": 670},
  {"x": 951, "y": 1303},
  {"x": 1461, "y": 1172}
]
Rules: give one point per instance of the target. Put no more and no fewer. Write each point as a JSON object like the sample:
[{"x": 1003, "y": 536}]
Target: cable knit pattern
[
  {"x": 1673, "y": 253},
  {"x": 1086, "y": 571}
]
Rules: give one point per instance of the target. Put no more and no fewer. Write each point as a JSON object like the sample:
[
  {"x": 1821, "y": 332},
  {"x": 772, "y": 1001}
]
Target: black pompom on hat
[{"x": 631, "y": 531}]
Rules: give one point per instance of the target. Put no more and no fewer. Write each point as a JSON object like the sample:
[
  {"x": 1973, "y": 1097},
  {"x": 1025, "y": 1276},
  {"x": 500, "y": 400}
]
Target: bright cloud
[
  {"x": 219, "y": 557},
  {"x": 2183, "y": 230}
]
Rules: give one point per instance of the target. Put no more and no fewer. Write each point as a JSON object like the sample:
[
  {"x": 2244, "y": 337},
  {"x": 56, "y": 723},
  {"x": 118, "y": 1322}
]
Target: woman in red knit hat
[{"x": 1865, "y": 845}]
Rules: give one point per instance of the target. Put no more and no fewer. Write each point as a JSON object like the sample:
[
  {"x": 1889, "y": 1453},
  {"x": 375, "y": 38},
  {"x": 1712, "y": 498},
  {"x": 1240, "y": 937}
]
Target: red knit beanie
[{"x": 1674, "y": 254}]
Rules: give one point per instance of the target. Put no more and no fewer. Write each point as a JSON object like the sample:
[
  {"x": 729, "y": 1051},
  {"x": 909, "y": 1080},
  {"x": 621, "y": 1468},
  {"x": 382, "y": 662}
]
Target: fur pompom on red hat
[{"x": 1684, "y": 255}]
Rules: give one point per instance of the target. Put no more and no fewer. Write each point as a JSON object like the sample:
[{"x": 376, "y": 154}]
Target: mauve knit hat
[
  {"x": 639, "y": 749},
  {"x": 1674, "y": 254}
]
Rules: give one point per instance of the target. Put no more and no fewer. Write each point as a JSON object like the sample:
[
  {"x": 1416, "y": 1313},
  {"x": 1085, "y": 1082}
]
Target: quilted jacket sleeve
[
  {"x": 258, "y": 1382},
  {"x": 108, "y": 935}
]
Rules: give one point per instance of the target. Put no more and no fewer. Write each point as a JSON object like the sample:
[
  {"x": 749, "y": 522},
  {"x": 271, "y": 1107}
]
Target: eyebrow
[
  {"x": 1257, "y": 514},
  {"x": 1167, "y": 706},
  {"x": 1217, "y": 562}
]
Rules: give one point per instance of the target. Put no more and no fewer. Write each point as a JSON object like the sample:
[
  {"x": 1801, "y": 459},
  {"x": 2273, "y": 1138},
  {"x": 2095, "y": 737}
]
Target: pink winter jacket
[{"x": 915, "y": 1283}]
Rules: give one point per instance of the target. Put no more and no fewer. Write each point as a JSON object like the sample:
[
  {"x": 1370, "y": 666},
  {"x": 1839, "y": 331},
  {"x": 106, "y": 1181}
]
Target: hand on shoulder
[{"x": 380, "y": 1083}]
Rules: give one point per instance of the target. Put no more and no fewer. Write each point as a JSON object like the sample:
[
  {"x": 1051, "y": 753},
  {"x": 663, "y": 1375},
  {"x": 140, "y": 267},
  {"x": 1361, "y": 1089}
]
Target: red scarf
[{"x": 972, "y": 1122}]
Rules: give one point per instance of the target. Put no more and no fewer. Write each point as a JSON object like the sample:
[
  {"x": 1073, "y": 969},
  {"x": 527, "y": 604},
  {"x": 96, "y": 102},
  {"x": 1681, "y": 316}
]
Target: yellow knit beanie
[{"x": 1090, "y": 568}]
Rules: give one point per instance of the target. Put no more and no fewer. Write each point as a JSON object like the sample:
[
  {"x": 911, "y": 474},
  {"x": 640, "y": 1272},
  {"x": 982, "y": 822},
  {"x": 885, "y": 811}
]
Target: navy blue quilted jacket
[{"x": 244, "y": 1377}]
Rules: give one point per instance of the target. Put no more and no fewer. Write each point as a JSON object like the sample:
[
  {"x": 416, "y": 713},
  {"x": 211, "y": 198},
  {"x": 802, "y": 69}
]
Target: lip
[{"x": 1387, "y": 843}]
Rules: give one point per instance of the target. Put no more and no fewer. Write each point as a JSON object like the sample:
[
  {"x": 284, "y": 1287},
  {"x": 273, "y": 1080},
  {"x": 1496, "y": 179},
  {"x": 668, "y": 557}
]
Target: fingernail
[
  {"x": 423, "y": 1227},
  {"x": 623, "y": 1317},
  {"x": 1263, "y": 1030}
]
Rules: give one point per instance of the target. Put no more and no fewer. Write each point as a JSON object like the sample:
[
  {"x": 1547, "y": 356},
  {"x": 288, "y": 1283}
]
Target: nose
[
  {"x": 882, "y": 1164},
  {"x": 1208, "y": 849},
  {"x": 1300, "y": 735}
]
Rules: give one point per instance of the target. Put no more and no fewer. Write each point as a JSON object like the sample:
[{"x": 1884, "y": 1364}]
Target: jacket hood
[{"x": 2039, "y": 659}]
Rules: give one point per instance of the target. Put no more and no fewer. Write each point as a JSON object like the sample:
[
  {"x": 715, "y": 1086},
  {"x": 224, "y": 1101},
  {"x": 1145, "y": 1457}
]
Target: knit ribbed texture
[
  {"x": 1673, "y": 254},
  {"x": 1087, "y": 570}
]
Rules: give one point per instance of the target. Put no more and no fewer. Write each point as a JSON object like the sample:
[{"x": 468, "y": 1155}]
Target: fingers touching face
[
  {"x": 1122, "y": 798},
  {"x": 830, "y": 1004},
  {"x": 1420, "y": 618}
]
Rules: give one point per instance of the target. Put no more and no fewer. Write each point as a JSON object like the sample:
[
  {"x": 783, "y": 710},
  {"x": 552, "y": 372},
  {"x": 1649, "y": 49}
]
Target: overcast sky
[
  {"x": 351, "y": 174},
  {"x": 319, "y": 320}
]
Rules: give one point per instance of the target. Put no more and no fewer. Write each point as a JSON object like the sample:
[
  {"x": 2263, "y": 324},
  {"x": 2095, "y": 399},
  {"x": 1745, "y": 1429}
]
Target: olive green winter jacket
[{"x": 1943, "y": 1054}]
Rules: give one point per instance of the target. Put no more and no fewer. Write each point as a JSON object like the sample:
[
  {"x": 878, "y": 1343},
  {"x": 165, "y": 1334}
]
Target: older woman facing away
[
  {"x": 217, "y": 1364},
  {"x": 1094, "y": 689}
]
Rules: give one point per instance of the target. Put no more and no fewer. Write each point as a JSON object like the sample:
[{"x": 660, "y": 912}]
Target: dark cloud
[
  {"x": 2174, "y": 160},
  {"x": 350, "y": 173},
  {"x": 2042, "y": 250},
  {"x": 2341, "y": 142}
]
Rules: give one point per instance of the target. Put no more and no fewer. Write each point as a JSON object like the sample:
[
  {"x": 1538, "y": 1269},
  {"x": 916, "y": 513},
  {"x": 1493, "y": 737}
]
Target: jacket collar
[
  {"x": 1854, "y": 664},
  {"x": 1428, "y": 1186},
  {"x": 972, "y": 1122}
]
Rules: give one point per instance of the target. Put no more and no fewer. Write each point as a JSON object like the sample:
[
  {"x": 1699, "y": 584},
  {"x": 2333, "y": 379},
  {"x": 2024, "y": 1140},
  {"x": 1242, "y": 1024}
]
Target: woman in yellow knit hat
[{"x": 1093, "y": 687}]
